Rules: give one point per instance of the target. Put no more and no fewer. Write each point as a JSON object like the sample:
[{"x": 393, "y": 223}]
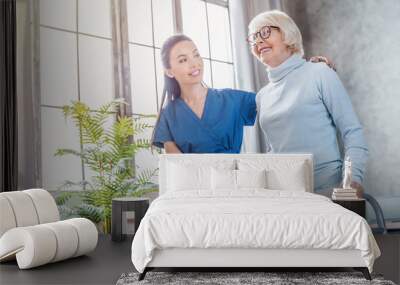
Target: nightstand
[
  {"x": 127, "y": 213},
  {"x": 357, "y": 206}
]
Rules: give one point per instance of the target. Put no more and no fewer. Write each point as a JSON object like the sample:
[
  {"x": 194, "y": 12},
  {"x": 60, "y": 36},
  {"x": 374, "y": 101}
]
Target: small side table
[
  {"x": 123, "y": 211},
  {"x": 357, "y": 206}
]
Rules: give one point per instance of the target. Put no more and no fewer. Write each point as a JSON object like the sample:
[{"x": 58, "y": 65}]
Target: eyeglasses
[{"x": 263, "y": 33}]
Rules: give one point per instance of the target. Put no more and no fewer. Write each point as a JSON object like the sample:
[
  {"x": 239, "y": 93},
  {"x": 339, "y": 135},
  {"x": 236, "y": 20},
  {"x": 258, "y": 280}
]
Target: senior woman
[{"x": 304, "y": 104}]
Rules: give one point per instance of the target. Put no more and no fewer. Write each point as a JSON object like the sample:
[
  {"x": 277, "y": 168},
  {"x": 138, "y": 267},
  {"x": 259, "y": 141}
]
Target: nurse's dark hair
[{"x": 172, "y": 89}]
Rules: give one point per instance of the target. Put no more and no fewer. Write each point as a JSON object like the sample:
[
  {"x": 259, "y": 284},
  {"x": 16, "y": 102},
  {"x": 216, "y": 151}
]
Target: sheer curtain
[{"x": 250, "y": 75}]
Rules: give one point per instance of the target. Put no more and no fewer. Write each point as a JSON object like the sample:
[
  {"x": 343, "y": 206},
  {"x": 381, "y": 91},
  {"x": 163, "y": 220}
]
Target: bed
[{"x": 247, "y": 210}]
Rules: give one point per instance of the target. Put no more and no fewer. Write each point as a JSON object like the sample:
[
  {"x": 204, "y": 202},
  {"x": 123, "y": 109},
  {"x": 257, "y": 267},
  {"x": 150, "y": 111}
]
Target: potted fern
[{"x": 108, "y": 152}]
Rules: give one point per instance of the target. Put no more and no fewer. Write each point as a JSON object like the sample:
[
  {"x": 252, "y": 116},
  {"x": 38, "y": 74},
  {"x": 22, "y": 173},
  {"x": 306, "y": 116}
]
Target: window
[
  {"x": 76, "y": 55},
  {"x": 207, "y": 23},
  {"x": 150, "y": 22}
]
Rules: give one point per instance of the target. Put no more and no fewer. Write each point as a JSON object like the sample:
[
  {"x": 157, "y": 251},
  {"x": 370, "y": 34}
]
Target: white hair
[{"x": 290, "y": 32}]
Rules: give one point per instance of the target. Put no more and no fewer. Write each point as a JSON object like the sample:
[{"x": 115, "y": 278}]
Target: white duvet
[{"x": 250, "y": 219}]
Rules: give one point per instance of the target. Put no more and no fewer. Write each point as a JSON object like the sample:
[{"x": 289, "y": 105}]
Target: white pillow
[
  {"x": 187, "y": 175},
  {"x": 291, "y": 178},
  {"x": 251, "y": 178},
  {"x": 223, "y": 179},
  {"x": 282, "y": 174},
  {"x": 183, "y": 177},
  {"x": 227, "y": 179}
]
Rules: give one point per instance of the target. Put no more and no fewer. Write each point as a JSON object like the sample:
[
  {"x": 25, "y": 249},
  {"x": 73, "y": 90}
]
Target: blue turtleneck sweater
[{"x": 301, "y": 110}]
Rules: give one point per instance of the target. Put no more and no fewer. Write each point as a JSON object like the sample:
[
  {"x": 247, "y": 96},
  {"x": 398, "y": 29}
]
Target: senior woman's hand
[
  {"x": 358, "y": 187},
  {"x": 323, "y": 59}
]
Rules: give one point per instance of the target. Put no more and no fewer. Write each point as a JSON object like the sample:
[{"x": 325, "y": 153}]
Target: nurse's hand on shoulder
[
  {"x": 358, "y": 187},
  {"x": 323, "y": 59},
  {"x": 171, "y": 147}
]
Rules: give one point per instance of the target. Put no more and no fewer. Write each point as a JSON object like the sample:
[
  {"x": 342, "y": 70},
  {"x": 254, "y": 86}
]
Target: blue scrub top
[{"x": 219, "y": 130}]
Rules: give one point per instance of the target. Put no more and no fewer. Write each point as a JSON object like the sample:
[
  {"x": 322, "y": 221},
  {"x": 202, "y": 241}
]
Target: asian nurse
[{"x": 198, "y": 119}]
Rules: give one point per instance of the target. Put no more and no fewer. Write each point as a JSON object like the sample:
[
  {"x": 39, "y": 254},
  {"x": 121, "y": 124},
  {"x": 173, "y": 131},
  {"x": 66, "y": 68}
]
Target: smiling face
[
  {"x": 271, "y": 51},
  {"x": 186, "y": 64}
]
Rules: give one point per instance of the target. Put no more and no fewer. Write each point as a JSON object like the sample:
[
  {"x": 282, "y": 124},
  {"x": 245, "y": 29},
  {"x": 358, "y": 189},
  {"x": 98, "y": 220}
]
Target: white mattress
[{"x": 253, "y": 218}]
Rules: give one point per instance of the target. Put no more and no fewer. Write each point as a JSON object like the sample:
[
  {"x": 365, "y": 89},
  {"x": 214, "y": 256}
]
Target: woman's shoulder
[
  {"x": 230, "y": 92},
  {"x": 169, "y": 107},
  {"x": 319, "y": 68},
  {"x": 263, "y": 91},
  {"x": 321, "y": 73}
]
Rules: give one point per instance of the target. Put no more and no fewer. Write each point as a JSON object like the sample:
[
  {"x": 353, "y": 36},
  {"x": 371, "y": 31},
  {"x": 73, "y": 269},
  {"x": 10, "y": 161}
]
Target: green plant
[{"x": 108, "y": 152}]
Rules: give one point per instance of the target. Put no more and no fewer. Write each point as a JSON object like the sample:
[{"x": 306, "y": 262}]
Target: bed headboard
[{"x": 270, "y": 159}]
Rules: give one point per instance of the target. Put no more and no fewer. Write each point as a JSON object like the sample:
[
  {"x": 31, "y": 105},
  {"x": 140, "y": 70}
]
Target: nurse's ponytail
[{"x": 172, "y": 89}]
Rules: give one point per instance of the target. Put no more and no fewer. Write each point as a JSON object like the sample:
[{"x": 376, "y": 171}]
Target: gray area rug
[{"x": 229, "y": 278}]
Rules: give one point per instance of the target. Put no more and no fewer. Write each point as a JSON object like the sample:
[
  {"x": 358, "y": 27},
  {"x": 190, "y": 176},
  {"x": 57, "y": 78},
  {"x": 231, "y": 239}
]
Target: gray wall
[{"x": 362, "y": 37}]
